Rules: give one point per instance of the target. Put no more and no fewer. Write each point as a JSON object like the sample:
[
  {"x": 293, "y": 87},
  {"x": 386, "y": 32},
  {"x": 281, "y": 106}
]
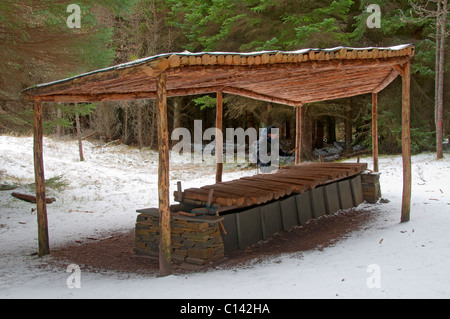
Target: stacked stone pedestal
[
  {"x": 194, "y": 240},
  {"x": 371, "y": 187}
]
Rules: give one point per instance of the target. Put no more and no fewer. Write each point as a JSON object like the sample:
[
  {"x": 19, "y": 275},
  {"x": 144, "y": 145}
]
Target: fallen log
[{"x": 31, "y": 198}]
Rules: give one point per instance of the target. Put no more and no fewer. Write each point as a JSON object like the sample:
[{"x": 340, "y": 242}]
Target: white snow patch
[{"x": 105, "y": 191}]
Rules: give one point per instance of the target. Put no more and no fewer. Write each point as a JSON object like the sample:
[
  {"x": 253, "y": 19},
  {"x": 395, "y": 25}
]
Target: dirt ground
[{"x": 115, "y": 252}]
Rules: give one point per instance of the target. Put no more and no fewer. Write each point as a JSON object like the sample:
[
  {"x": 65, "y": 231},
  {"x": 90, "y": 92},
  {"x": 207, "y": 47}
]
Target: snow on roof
[{"x": 248, "y": 54}]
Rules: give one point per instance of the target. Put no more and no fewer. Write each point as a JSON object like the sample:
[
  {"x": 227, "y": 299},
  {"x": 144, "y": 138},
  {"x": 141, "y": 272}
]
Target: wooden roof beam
[
  {"x": 105, "y": 97},
  {"x": 388, "y": 80},
  {"x": 260, "y": 97}
]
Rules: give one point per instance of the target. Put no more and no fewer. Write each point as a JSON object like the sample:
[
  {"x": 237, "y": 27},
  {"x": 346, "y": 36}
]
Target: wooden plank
[
  {"x": 341, "y": 171},
  {"x": 39, "y": 176},
  {"x": 272, "y": 182},
  {"x": 337, "y": 170},
  {"x": 130, "y": 91},
  {"x": 248, "y": 195},
  {"x": 299, "y": 186},
  {"x": 247, "y": 188},
  {"x": 218, "y": 197},
  {"x": 165, "y": 244},
  {"x": 324, "y": 176},
  {"x": 358, "y": 166},
  {"x": 303, "y": 177},
  {"x": 352, "y": 168},
  {"x": 276, "y": 190}
]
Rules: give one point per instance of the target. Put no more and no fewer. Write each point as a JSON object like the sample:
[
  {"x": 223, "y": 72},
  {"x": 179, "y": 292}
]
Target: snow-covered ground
[{"x": 410, "y": 260}]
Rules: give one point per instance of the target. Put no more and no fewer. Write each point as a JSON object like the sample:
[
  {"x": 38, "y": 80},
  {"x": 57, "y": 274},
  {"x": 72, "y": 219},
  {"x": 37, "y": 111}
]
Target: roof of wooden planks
[{"x": 291, "y": 78}]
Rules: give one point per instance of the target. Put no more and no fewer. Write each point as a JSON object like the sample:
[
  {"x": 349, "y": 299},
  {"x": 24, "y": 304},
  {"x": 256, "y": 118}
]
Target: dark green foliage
[
  {"x": 36, "y": 46},
  {"x": 116, "y": 31},
  {"x": 205, "y": 102}
]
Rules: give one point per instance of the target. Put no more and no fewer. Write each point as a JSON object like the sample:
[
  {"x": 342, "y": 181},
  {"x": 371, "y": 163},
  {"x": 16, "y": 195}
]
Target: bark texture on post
[
  {"x": 80, "y": 142},
  {"x": 440, "y": 47},
  {"x": 375, "y": 131},
  {"x": 219, "y": 136},
  {"x": 43, "y": 241},
  {"x": 165, "y": 245},
  {"x": 139, "y": 118},
  {"x": 406, "y": 142}
]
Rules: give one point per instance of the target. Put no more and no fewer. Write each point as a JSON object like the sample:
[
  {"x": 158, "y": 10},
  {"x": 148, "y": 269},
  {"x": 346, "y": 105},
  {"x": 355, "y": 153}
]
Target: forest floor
[
  {"x": 92, "y": 220},
  {"x": 115, "y": 253}
]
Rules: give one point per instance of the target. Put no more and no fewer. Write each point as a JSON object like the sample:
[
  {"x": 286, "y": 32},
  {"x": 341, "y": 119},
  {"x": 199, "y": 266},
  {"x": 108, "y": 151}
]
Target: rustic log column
[
  {"x": 43, "y": 241},
  {"x": 406, "y": 142},
  {"x": 80, "y": 141},
  {"x": 219, "y": 136},
  {"x": 375, "y": 131},
  {"x": 298, "y": 135},
  {"x": 165, "y": 245}
]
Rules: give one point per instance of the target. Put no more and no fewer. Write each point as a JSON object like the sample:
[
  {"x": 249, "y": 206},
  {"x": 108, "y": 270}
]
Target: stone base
[
  {"x": 371, "y": 187},
  {"x": 194, "y": 240}
]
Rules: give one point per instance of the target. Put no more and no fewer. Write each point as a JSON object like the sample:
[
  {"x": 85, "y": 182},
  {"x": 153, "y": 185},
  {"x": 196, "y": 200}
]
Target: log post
[
  {"x": 298, "y": 135},
  {"x": 406, "y": 142},
  {"x": 139, "y": 116},
  {"x": 375, "y": 131},
  {"x": 219, "y": 136},
  {"x": 165, "y": 245},
  {"x": 43, "y": 241},
  {"x": 80, "y": 142}
]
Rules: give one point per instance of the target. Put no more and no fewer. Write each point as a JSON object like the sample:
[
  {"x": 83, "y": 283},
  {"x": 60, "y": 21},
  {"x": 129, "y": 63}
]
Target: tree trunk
[
  {"x": 440, "y": 74},
  {"x": 319, "y": 134},
  {"x": 307, "y": 132},
  {"x": 288, "y": 130},
  {"x": 125, "y": 129},
  {"x": 177, "y": 112},
  {"x": 58, "y": 127},
  {"x": 348, "y": 127},
  {"x": 269, "y": 114},
  {"x": 139, "y": 125},
  {"x": 331, "y": 129},
  {"x": 80, "y": 142},
  {"x": 438, "y": 56},
  {"x": 153, "y": 125},
  {"x": 250, "y": 119}
]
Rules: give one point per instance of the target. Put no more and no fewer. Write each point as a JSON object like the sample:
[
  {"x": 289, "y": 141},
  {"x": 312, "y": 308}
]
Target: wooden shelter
[{"x": 291, "y": 78}]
